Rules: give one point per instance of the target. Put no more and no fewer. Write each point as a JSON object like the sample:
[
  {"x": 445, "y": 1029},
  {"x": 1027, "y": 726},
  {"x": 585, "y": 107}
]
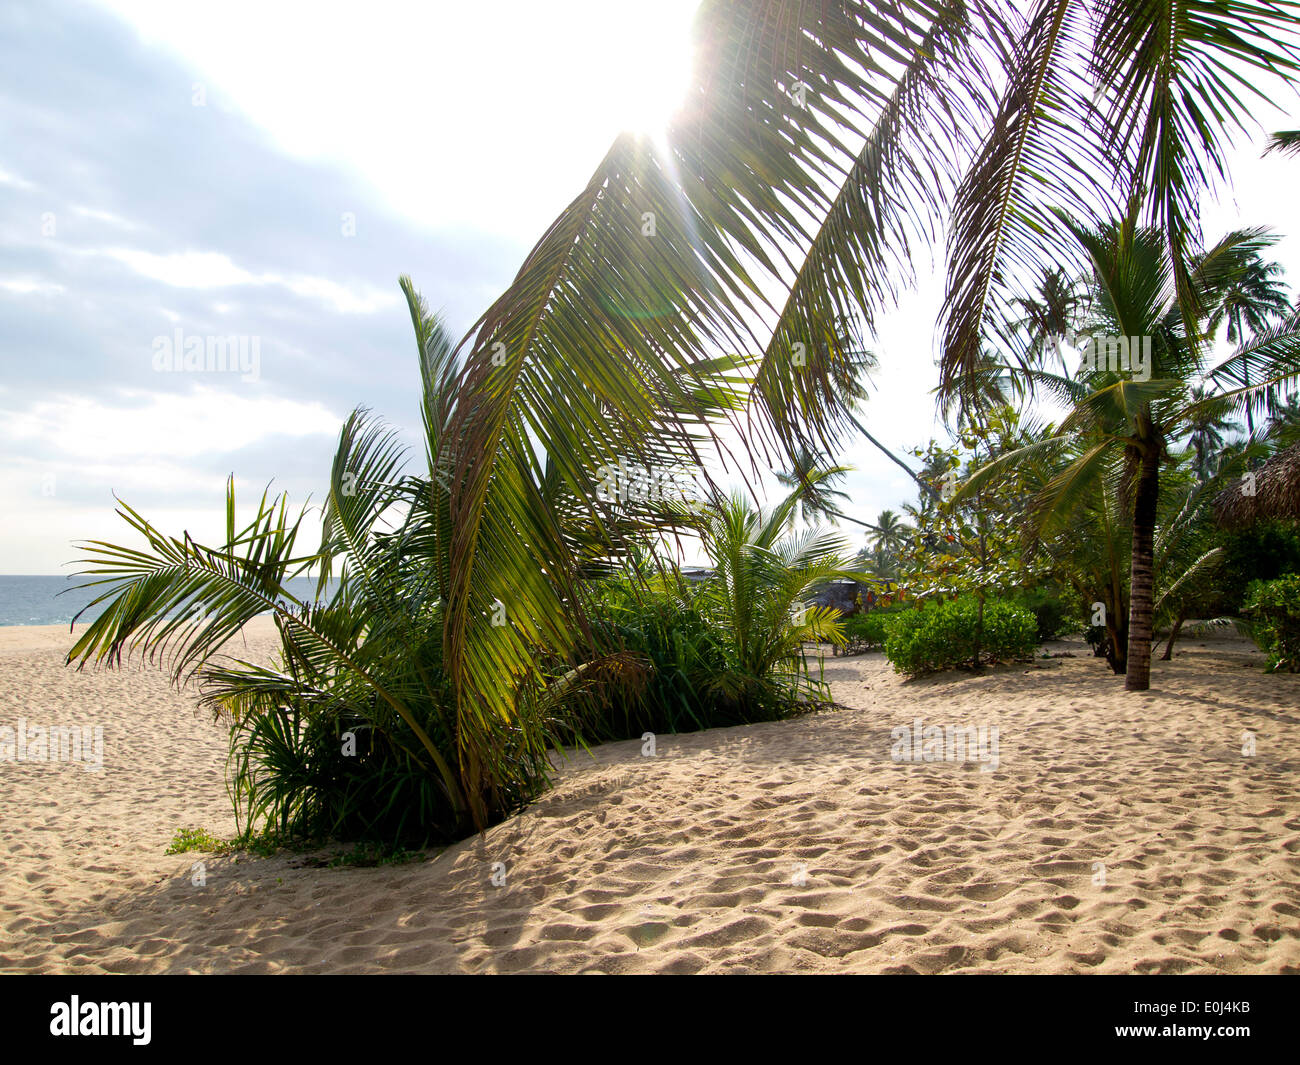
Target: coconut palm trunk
[
  {"x": 1142, "y": 570},
  {"x": 1173, "y": 635},
  {"x": 925, "y": 486}
]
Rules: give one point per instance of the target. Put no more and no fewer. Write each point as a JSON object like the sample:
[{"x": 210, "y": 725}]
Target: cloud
[
  {"x": 103, "y": 216},
  {"x": 204, "y": 421},
  {"x": 28, "y": 286},
  {"x": 209, "y": 270},
  {"x": 128, "y": 213}
]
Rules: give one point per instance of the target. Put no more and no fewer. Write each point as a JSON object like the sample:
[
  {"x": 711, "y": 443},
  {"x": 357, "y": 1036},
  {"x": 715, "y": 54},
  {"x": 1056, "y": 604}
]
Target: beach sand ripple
[{"x": 797, "y": 846}]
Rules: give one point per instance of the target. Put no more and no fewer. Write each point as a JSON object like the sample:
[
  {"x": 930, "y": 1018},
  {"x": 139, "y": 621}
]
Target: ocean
[{"x": 54, "y": 600}]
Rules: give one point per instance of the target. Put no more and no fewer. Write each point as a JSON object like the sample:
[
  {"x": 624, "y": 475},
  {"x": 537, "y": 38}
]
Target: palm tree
[
  {"x": 1206, "y": 438},
  {"x": 818, "y": 144},
  {"x": 819, "y": 497},
  {"x": 371, "y": 653},
  {"x": 890, "y": 535},
  {"x": 891, "y": 531},
  {"x": 1050, "y": 312},
  {"x": 1284, "y": 424},
  {"x": 1116, "y": 417},
  {"x": 1254, "y": 300},
  {"x": 365, "y": 656}
]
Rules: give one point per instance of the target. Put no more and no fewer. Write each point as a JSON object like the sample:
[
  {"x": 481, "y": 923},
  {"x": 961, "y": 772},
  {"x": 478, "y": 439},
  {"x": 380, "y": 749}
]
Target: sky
[{"x": 263, "y": 173}]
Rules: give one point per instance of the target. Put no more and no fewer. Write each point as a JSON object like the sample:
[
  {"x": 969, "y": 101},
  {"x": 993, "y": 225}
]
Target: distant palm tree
[
  {"x": 1284, "y": 424},
  {"x": 1251, "y": 301},
  {"x": 885, "y": 541},
  {"x": 1050, "y": 312},
  {"x": 1206, "y": 438},
  {"x": 819, "y": 498},
  {"x": 891, "y": 532}
]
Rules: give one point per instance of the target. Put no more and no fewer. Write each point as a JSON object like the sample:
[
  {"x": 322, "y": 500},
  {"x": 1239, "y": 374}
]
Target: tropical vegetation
[{"x": 722, "y": 281}]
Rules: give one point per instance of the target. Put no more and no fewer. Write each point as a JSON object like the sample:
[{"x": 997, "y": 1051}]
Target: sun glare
[{"x": 646, "y": 66}]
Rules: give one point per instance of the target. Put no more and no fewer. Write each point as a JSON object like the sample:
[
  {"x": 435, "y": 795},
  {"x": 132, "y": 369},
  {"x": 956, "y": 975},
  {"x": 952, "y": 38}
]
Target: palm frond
[
  {"x": 1032, "y": 163},
  {"x": 1181, "y": 91},
  {"x": 1285, "y": 141}
]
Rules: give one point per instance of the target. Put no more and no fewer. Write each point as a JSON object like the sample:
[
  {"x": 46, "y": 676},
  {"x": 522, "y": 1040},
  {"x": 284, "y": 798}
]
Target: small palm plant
[
  {"x": 764, "y": 574},
  {"x": 353, "y": 731}
]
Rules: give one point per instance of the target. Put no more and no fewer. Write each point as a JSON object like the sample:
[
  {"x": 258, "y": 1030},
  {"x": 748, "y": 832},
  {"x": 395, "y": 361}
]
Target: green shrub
[
  {"x": 868, "y": 630},
  {"x": 677, "y": 670},
  {"x": 1260, "y": 552},
  {"x": 313, "y": 769},
  {"x": 1052, "y": 614},
  {"x": 1274, "y": 607},
  {"x": 667, "y": 631},
  {"x": 948, "y": 635}
]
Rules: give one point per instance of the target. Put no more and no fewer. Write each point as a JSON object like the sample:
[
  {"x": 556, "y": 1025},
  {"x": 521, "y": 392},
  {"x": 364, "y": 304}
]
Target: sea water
[{"x": 56, "y": 600}]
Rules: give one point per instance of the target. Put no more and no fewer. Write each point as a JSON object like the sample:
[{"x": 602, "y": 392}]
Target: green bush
[
  {"x": 690, "y": 677},
  {"x": 1260, "y": 552},
  {"x": 666, "y": 630},
  {"x": 1274, "y": 607},
  {"x": 290, "y": 773},
  {"x": 1052, "y": 614},
  {"x": 948, "y": 635},
  {"x": 868, "y": 630}
]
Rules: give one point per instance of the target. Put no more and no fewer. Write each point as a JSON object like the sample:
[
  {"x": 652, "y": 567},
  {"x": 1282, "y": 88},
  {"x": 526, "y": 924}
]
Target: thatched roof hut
[
  {"x": 843, "y": 595},
  {"x": 1276, "y": 492}
]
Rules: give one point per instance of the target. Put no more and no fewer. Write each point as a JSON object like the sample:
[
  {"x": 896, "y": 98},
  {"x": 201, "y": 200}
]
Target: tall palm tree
[
  {"x": 1252, "y": 302},
  {"x": 1284, "y": 424},
  {"x": 887, "y": 538},
  {"x": 1114, "y": 415},
  {"x": 1048, "y": 313},
  {"x": 819, "y": 143},
  {"x": 891, "y": 532},
  {"x": 1255, "y": 297},
  {"x": 1206, "y": 437}
]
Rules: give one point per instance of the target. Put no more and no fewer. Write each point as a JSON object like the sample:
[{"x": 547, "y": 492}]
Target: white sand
[{"x": 688, "y": 862}]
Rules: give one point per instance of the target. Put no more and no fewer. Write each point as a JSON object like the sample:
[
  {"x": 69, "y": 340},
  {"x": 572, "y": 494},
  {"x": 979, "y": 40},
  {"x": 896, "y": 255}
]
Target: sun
[
  {"x": 651, "y": 94},
  {"x": 645, "y": 65}
]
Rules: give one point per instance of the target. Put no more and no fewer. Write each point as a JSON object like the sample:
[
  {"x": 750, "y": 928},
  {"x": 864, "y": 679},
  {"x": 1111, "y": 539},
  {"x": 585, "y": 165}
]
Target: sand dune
[{"x": 799, "y": 846}]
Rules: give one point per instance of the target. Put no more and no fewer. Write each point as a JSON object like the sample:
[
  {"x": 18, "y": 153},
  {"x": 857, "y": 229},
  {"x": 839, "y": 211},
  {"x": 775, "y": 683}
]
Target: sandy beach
[{"x": 1118, "y": 833}]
